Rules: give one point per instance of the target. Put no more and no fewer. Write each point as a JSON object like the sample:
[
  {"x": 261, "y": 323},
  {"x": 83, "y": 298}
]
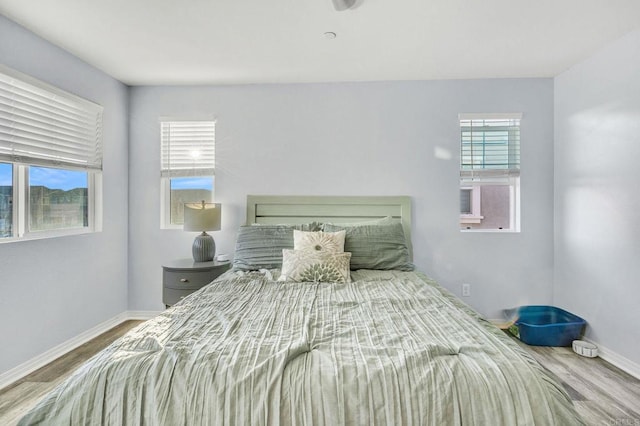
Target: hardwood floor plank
[
  {"x": 75, "y": 358},
  {"x": 19, "y": 397},
  {"x": 17, "y": 401},
  {"x": 608, "y": 395},
  {"x": 592, "y": 378},
  {"x": 592, "y": 413}
]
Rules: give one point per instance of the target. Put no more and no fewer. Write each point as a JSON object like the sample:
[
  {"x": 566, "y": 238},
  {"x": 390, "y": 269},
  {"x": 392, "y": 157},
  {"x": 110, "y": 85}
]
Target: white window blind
[
  {"x": 188, "y": 148},
  {"x": 45, "y": 126},
  {"x": 489, "y": 146}
]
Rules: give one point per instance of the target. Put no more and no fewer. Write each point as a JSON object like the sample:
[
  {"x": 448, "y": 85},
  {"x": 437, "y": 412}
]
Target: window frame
[
  {"x": 22, "y": 205},
  {"x": 475, "y": 216},
  {"x": 166, "y": 174},
  {"x": 475, "y": 179},
  {"x": 165, "y": 204},
  {"x": 165, "y": 201},
  {"x": 24, "y": 92}
]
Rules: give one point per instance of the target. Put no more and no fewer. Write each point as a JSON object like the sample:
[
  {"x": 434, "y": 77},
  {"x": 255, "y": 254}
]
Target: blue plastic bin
[{"x": 547, "y": 326}]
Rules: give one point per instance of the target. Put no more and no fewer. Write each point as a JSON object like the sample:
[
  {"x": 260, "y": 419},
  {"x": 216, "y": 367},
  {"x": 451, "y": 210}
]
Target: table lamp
[{"x": 202, "y": 217}]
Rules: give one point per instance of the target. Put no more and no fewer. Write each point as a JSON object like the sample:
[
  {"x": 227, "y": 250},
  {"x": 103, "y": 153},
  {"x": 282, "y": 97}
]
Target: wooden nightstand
[{"x": 182, "y": 277}]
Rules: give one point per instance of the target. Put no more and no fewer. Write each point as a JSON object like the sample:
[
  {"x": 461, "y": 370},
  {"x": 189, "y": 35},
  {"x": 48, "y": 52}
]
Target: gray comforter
[{"x": 390, "y": 348}]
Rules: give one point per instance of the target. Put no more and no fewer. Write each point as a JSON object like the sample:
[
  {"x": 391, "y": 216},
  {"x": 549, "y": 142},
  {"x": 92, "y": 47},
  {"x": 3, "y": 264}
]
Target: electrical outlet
[{"x": 466, "y": 290}]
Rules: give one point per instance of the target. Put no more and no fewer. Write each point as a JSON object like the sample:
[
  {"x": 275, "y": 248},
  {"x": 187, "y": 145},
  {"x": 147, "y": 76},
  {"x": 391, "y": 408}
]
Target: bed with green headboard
[{"x": 383, "y": 346}]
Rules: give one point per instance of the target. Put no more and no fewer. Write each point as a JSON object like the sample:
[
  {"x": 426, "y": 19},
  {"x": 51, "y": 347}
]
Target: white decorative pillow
[
  {"x": 315, "y": 266},
  {"x": 319, "y": 241}
]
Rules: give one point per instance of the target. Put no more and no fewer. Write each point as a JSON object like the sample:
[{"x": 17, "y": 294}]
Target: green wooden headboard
[{"x": 275, "y": 209}]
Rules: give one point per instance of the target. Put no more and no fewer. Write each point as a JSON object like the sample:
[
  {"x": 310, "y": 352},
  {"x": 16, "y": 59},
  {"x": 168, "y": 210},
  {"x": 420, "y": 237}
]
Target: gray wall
[
  {"x": 52, "y": 290},
  {"x": 388, "y": 138},
  {"x": 597, "y": 232}
]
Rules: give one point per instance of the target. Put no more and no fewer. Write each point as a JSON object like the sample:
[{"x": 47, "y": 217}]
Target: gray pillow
[
  {"x": 260, "y": 247},
  {"x": 375, "y": 246}
]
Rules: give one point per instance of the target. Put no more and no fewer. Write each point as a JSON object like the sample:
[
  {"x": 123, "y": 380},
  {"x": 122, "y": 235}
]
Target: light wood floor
[
  {"x": 602, "y": 393},
  {"x": 19, "y": 397}
]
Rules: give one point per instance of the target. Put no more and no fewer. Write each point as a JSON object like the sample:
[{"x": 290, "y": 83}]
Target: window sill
[
  {"x": 172, "y": 227},
  {"x": 493, "y": 231},
  {"x": 42, "y": 235},
  {"x": 471, "y": 219}
]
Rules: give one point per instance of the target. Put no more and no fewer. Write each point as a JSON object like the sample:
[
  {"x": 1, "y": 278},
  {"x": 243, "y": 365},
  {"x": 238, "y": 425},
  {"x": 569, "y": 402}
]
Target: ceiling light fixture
[
  {"x": 341, "y": 5},
  {"x": 330, "y": 35}
]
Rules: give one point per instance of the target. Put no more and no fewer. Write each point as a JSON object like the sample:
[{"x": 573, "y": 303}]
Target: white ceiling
[{"x": 149, "y": 42}]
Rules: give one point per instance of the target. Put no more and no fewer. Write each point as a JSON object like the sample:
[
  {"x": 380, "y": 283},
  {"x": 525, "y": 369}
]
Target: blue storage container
[{"x": 547, "y": 326}]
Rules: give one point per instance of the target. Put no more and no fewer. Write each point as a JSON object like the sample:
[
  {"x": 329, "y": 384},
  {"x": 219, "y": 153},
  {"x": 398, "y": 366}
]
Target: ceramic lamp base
[{"x": 204, "y": 248}]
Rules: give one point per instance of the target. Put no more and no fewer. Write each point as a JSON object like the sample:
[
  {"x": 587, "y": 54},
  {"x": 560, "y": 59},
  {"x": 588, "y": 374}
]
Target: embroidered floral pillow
[
  {"x": 315, "y": 266},
  {"x": 319, "y": 241}
]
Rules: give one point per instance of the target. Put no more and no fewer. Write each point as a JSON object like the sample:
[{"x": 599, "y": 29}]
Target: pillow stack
[
  {"x": 316, "y": 252},
  {"x": 316, "y": 257}
]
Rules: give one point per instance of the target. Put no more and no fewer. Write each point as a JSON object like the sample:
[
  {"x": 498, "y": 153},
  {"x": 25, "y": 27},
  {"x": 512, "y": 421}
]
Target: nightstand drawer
[
  {"x": 182, "y": 277},
  {"x": 171, "y": 296},
  {"x": 187, "y": 280}
]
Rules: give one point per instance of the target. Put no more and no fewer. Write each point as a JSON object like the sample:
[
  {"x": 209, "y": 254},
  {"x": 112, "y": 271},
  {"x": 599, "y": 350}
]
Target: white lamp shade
[{"x": 201, "y": 217}]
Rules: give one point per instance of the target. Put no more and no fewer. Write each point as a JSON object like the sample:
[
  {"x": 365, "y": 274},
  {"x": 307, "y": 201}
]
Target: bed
[{"x": 386, "y": 346}]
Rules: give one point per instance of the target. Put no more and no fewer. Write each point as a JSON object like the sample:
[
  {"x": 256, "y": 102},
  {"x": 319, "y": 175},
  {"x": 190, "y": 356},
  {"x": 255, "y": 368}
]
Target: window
[
  {"x": 64, "y": 207},
  {"x": 187, "y": 167},
  {"x": 50, "y": 160},
  {"x": 470, "y": 204},
  {"x": 6, "y": 200},
  {"x": 490, "y": 172}
]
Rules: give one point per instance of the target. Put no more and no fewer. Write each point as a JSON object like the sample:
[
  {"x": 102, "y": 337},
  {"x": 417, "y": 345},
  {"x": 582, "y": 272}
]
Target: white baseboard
[
  {"x": 618, "y": 360},
  {"x": 142, "y": 315},
  {"x": 45, "y": 358}
]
